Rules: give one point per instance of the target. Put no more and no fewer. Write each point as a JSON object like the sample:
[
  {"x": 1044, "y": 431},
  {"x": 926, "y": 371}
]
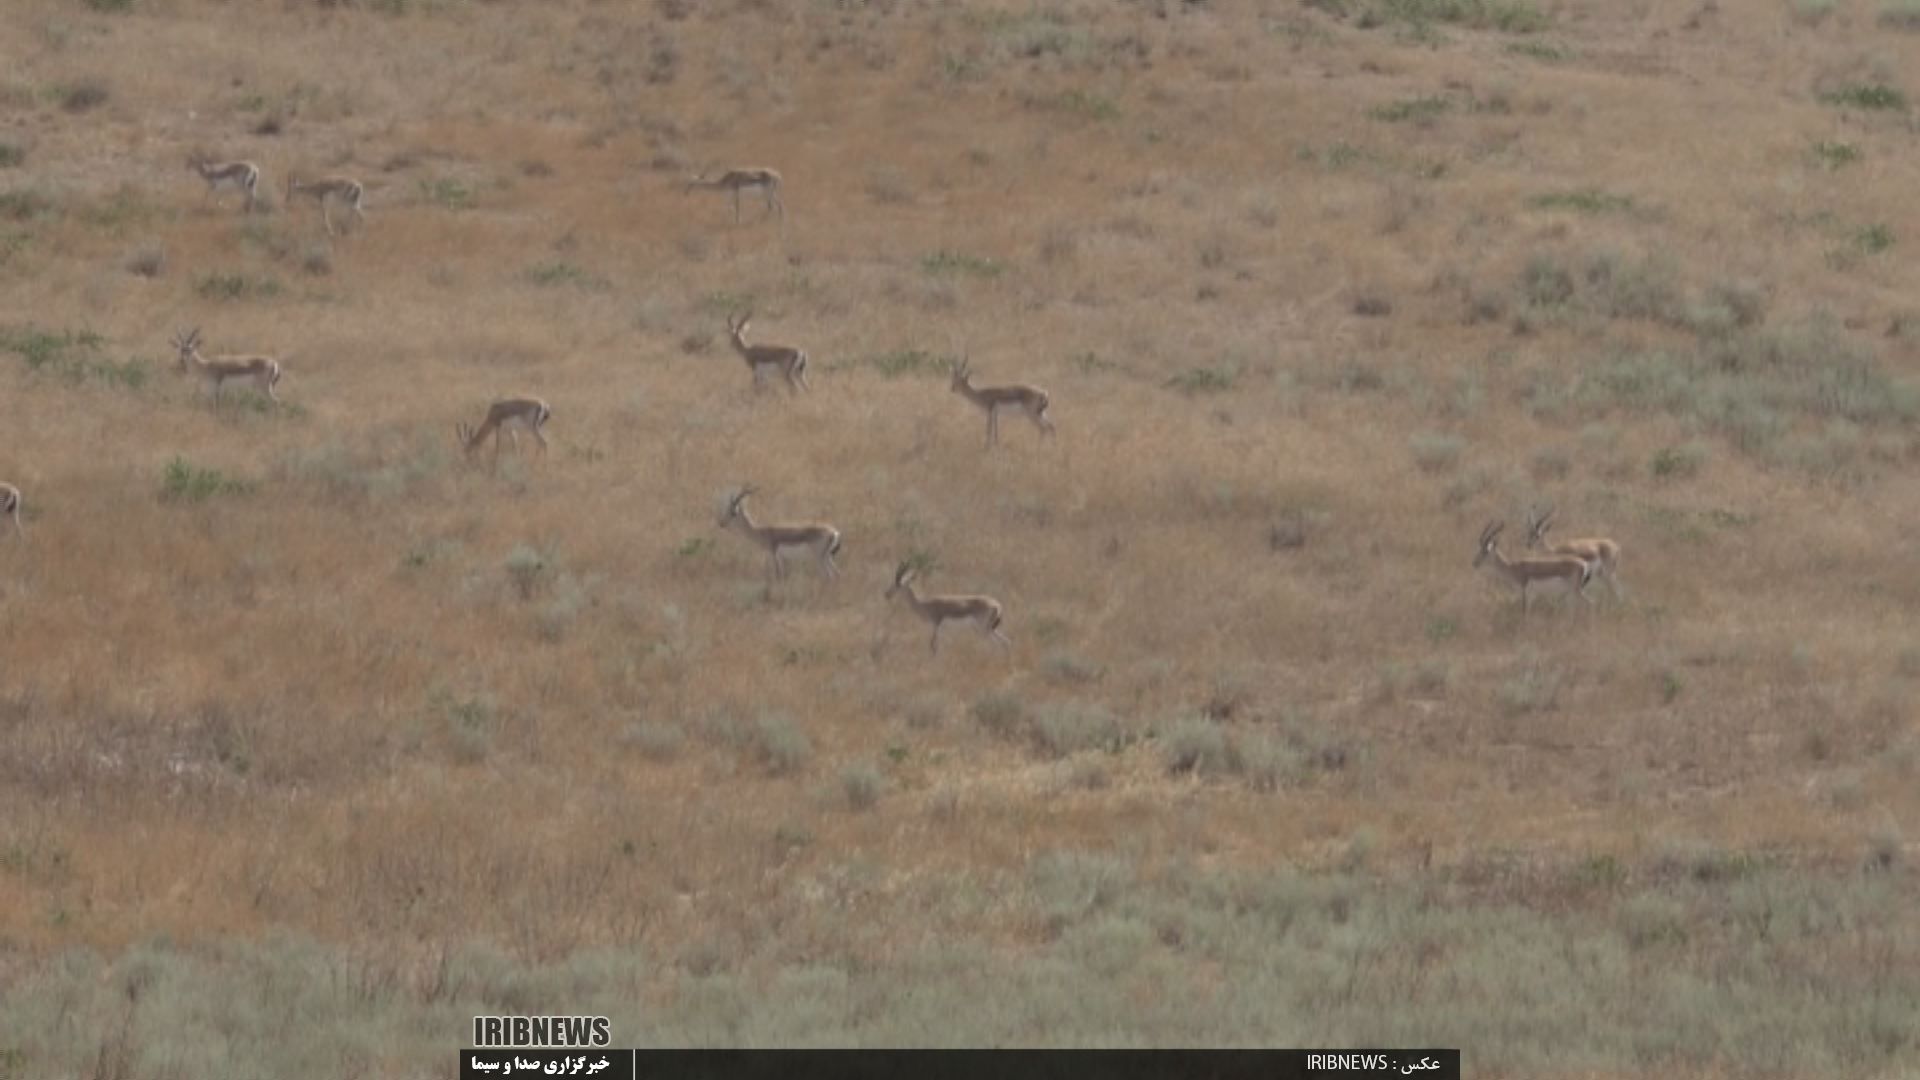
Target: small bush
[
  {"x": 944, "y": 262},
  {"x": 1532, "y": 687},
  {"x": 1900, "y": 15},
  {"x": 11, "y": 156},
  {"x": 861, "y": 784},
  {"x": 1203, "y": 381},
  {"x": 1060, "y": 730},
  {"x": 526, "y": 570},
  {"x": 1678, "y": 462},
  {"x": 84, "y": 95},
  {"x": 1835, "y": 155},
  {"x": 111, "y": 7},
  {"x": 1867, "y": 96},
  {"x": 888, "y": 185},
  {"x": 1582, "y": 201},
  {"x": 1436, "y": 453},
  {"x": 185, "y": 482},
  {"x": 1421, "y": 111},
  {"x": 147, "y": 262},
  {"x": 780, "y": 744},
  {"x": 236, "y": 287},
  {"x": 1197, "y": 745}
]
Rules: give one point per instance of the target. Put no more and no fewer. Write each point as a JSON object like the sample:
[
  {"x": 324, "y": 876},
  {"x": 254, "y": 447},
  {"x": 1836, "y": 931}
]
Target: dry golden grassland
[{"x": 310, "y": 726}]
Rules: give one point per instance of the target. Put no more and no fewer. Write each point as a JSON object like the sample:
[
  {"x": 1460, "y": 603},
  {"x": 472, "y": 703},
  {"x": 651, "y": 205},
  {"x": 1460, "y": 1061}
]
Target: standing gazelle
[
  {"x": 509, "y": 416},
  {"x": 262, "y": 371},
  {"x": 1020, "y": 397},
  {"x": 1603, "y": 553},
  {"x": 10, "y": 507},
  {"x": 244, "y": 175},
  {"x": 1547, "y": 572},
  {"x": 786, "y": 359},
  {"x": 984, "y": 611},
  {"x": 815, "y": 536},
  {"x": 738, "y": 180},
  {"x": 333, "y": 187}
]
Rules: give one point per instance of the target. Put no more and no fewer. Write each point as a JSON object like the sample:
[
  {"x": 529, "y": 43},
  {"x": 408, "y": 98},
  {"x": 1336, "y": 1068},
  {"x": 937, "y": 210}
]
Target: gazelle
[
  {"x": 1598, "y": 550},
  {"x": 1020, "y": 397},
  {"x": 984, "y": 611},
  {"x": 333, "y": 187},
  {"x": 786, "y": 359},
  {"x": 10, "y": 507},
  {"x": 244, "y": 175},
  {"x": 509, "y": 416},
  {"x": 738, "y": 180},
  {"x": 1548, "y": 572},
  {"x": 818, "y": 537},
  {"x": 262, "y": 371}
]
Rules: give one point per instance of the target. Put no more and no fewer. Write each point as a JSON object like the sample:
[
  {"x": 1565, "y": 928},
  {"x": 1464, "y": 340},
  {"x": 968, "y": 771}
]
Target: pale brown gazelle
[
  {"x": 738, "y": 180},
  {"x": 244, "y": 175},
  {"x": 333, "y": 187},
  {"x": 10, "y": 507},
  {"x": 1021, "y": 397},
  {"x": 262, "y": 371},
  {"x": 1544, "y": 572},
  {"x": 983, "y": 611},
  {"x": 508, "y": 416},
  {"x": 789, "y": 361},
  {"x": 815, "y": 536},
  {"x": 1602, "y": 552}
]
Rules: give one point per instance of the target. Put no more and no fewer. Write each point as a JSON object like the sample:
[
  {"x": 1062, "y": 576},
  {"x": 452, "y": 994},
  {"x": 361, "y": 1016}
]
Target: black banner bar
[{"x": 962, "y": 1064}]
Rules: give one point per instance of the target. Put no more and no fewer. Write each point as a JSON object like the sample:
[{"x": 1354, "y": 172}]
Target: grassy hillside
[{"x": 304, "y": 715}]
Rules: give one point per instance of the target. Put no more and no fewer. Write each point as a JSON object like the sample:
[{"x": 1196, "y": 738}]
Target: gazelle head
[
  {"x": 1537, "y": 526},
  {"x": 902, "y": 577},
  {"x": 693, "y": 182},
  {"x": 737, "y": 506},
  {"x": 962, "y": 372},
  {"x": 188, "y": 342},
  {"x": 737, "y": 328},
  {"x": 1489, "y": 539},
  {"x": 463, "y": 431}
]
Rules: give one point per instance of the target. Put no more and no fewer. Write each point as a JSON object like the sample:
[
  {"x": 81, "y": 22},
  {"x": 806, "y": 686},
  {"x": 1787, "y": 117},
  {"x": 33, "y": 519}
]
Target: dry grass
[{"x": 1316, "y": 290}]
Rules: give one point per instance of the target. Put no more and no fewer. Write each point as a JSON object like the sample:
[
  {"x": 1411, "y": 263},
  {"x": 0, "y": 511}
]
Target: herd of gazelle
[
  {"x": 245, "y": 175},
  {"x": 1568, "y": 566}
]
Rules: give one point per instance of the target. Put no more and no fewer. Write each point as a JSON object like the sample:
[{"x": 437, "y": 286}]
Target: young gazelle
[
  {"x": 244, "y": 175},
  {"x": 738, "y": 180},
  {"x": 1603, "y": 553},
  {"x": 818, "y": 537},
  {"x": 10, "y": 507},
  {"x": 509, "y": 416},
  {"x": 786, "y": 359},
  {"x": 984, "y": 611},
  {"x": 1547, "y": 572},
  {"x": 333, "y": 187},
  {"x": 262, "y": 371},
  {"x": 1028, "y": 399}
]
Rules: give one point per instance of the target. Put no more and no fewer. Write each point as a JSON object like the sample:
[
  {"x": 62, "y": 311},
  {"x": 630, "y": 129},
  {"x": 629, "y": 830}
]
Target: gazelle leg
[
  {"x": 736, "y": 206},
  {"x": 933, "y": 646},
  {"x": 542, "y": 440}
]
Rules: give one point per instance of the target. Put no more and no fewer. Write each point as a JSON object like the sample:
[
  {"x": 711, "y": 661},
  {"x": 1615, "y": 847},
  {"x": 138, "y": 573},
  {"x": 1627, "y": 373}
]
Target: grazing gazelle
[
  {"x": 786, "y": 359},
  {"x": 815, "y": 536},
  {"x": 262, "y": 371},
  {"x": 738, "y": 180},
  {"x": 984, "y": 611},
  {"x": 244, "y": 175},
  {"x": 1028, "y": 399},
  {"x": 333, "y": 187},
  {"x": 1603, "y": 553},
  {"x": 10, "y": 507},
  {"x": 1547, "y": 572},
  {"x": 509, "y": 416}
]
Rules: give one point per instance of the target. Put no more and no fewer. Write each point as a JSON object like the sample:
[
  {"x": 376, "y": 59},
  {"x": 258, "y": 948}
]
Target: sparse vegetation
[{"x": 303, "y": 714}]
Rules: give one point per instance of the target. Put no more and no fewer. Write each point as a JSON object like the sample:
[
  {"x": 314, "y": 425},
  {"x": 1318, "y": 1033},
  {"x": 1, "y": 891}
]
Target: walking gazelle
[
  {"x": 738, "y": 180},
  {"x": 1603, "y": 553},
  {"x": 262, "y": 371},
  {"x": 821, "y": 539},
  {"x": 1020, "y": 397},
  {"x": 983, "y": 611},
  {"x": 1556, "y": 572},
  {"x": 789, "y": 361},
  {"x": 244, "y": 175},
  {"x": 10, "y": 507},
  {"x": 509, "y": 416},
  {"x": 333, "y": 187}
]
